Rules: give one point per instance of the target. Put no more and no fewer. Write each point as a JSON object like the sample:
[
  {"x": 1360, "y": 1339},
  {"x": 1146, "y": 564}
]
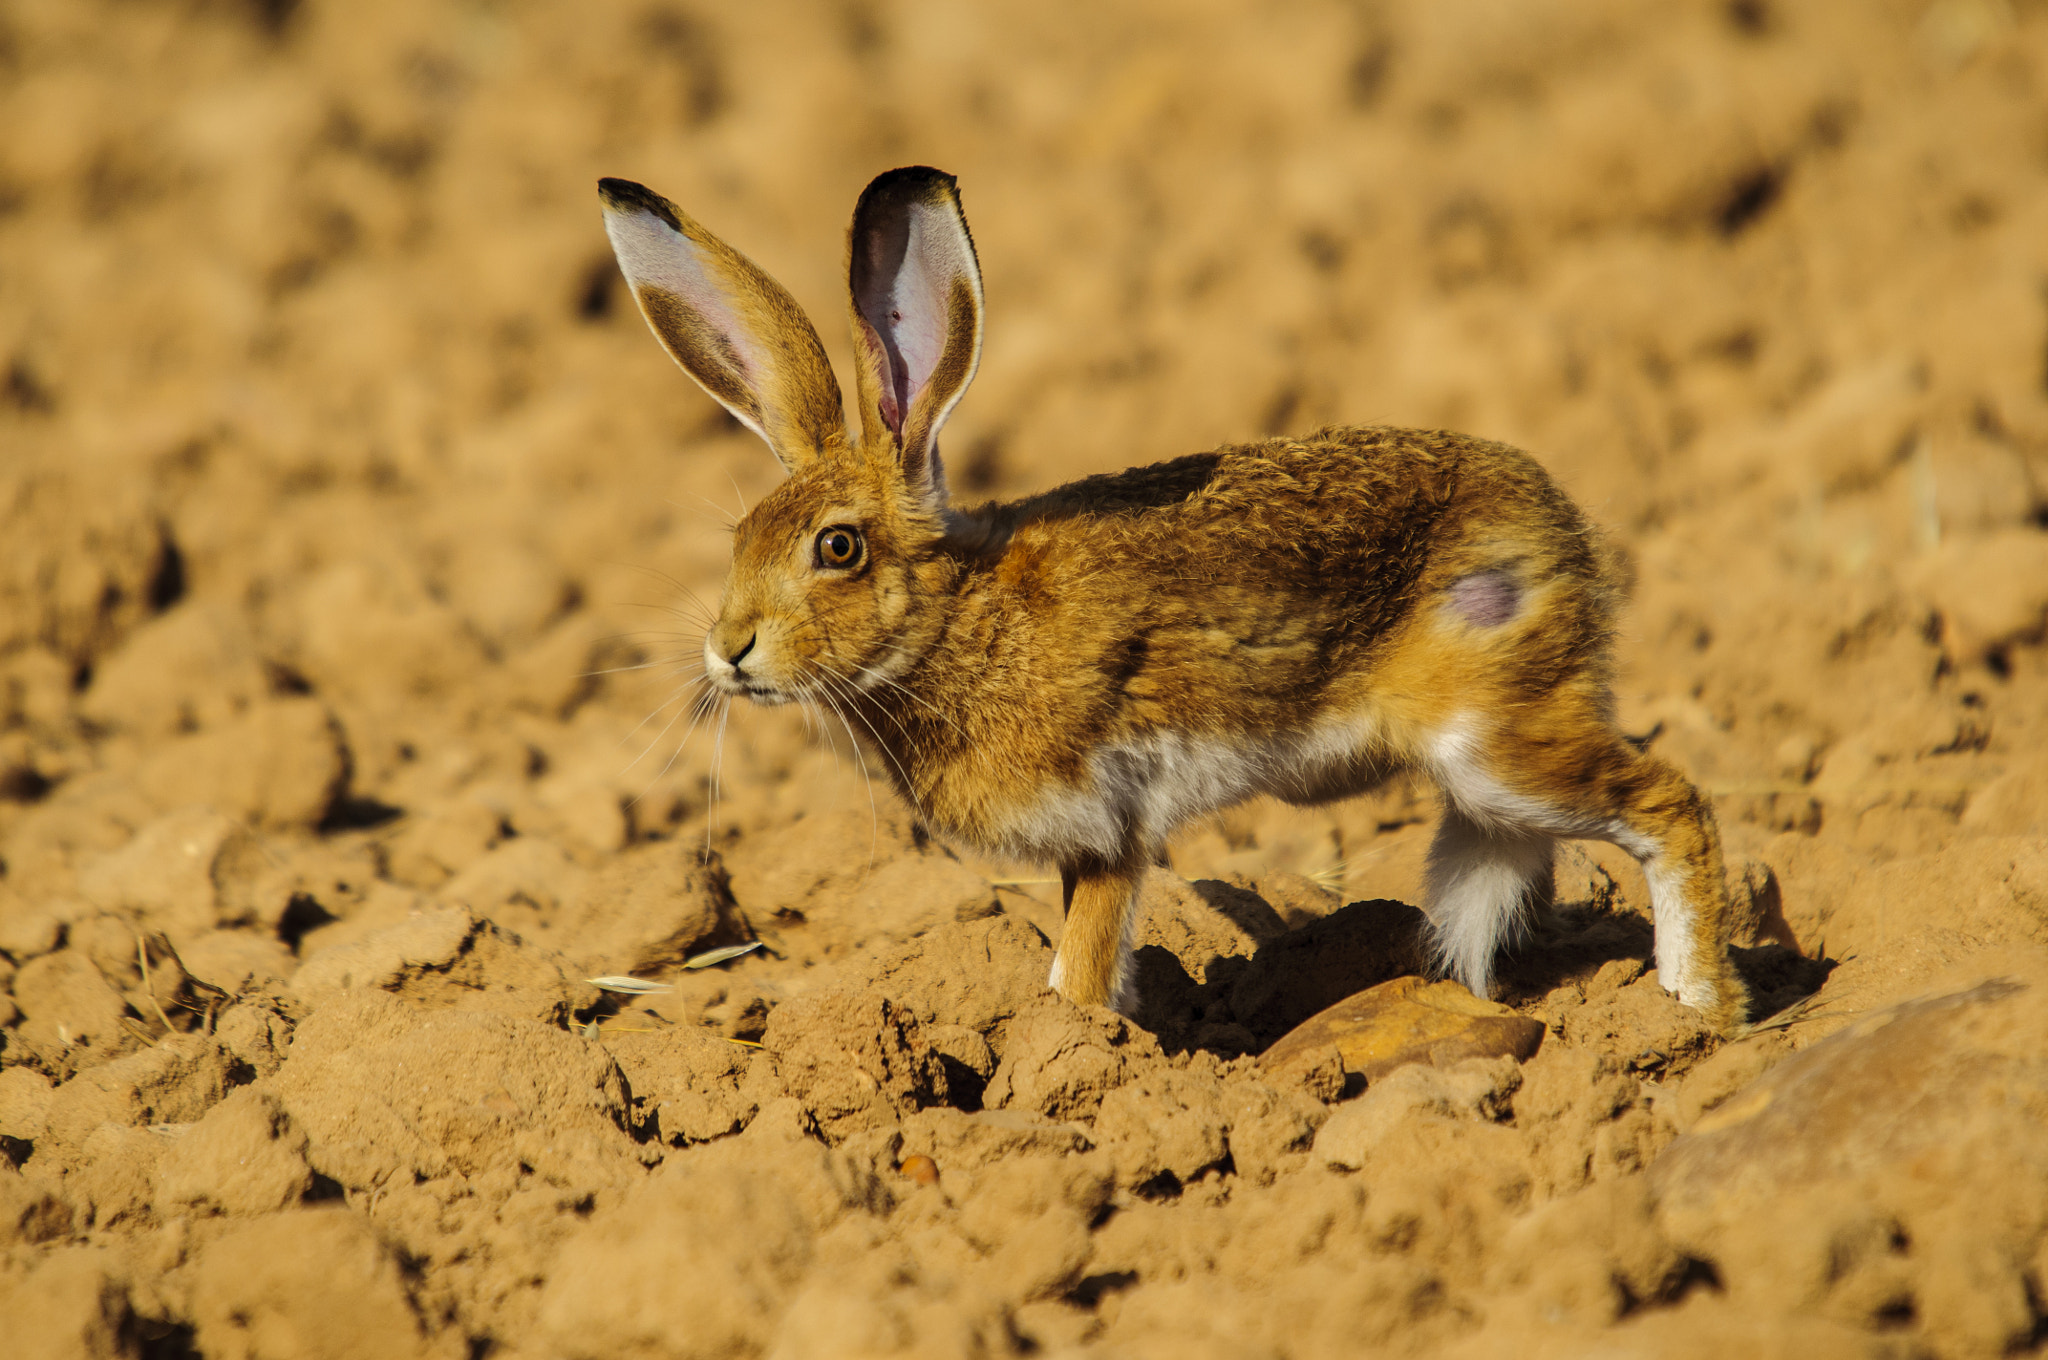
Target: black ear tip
[
  {"x": 911, "y": 184},
  {"x": 623, "y": 195}
]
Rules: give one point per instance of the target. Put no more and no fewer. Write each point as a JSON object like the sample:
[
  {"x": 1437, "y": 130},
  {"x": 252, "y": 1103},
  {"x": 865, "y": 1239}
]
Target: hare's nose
[{"x": 741, "y": 655}]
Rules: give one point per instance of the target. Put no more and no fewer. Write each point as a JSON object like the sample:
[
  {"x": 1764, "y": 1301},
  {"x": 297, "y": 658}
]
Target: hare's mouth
[{"x": 753, "y": 687}]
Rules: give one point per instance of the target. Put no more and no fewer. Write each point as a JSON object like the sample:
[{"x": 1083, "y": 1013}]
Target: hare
[{"x": 1074, "y": 676}]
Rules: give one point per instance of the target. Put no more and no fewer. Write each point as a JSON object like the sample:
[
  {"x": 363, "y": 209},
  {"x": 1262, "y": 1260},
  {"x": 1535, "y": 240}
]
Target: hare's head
[{"x": 831, "y": 578}]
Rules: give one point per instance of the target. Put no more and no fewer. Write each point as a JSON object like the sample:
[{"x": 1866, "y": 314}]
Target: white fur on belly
[{"x": 1141, "y": 791}]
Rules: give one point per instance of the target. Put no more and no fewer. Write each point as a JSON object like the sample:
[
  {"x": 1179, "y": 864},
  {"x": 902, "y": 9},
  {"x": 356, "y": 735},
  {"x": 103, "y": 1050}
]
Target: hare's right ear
[
  {"x": 731, "y": 327},
  {"x": 916, "y": 295}
]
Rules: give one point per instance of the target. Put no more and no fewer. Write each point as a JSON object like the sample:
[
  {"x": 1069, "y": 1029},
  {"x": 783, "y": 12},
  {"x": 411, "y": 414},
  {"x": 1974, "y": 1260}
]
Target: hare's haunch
[{"x": 1073, "y": 677}]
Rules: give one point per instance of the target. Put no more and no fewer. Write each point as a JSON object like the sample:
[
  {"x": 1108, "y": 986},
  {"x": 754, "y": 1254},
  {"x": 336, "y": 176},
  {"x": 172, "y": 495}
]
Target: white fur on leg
[
  {"x": 1478, "y": 889},
  {"x": 1675, "y": 921},
  {"x": 1675, "y": 930}
]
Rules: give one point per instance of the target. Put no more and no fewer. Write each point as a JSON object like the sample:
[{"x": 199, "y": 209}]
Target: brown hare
[{"x": 1074, "y": 676}]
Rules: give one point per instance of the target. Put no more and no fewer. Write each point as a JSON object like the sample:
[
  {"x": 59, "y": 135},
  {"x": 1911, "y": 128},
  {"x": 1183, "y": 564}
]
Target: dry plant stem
[{"x": 149, "y": 987}]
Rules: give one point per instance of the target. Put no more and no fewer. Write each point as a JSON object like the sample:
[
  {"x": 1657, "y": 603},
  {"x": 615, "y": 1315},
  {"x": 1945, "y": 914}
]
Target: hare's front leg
[{"x": 1093, "y": 966}]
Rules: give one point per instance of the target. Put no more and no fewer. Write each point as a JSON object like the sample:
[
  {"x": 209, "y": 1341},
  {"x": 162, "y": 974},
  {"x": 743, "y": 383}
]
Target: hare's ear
[
  {"x": 916, "y": 295},
  {"x": 731, "y": 327}
]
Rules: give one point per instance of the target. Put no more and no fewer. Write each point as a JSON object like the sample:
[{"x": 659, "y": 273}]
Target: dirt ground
[{"x": 353, "y": 530}]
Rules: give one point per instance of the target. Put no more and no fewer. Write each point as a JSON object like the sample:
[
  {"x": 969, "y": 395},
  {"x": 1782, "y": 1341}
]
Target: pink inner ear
[
  {"x": 653, "y": 253},
  {"x": 906, "y": 308},
  {"x": 917, "y": 314}
]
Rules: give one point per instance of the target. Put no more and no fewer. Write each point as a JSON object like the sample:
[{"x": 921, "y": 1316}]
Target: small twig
[
  {"x": 1802, "y": 1009},
  {"x": 148, "y": 987}
]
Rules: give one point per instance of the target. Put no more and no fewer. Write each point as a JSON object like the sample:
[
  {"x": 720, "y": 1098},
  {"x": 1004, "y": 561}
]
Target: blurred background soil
[{"x": 353, "y": 531}]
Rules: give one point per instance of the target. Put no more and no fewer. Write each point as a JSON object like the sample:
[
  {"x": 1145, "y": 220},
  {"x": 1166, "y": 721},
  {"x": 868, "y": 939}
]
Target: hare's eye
[{"x": 839, "y": 547}]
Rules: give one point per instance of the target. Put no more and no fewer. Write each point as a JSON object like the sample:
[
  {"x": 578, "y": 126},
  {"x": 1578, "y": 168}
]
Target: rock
[
  {"x": 1307, "y": 970},
  {"x": 280, "y": 765},
  {"x": 67, "y": 1003},
  {"x": 1061, "y": 1060},
  {"x": 29, "y": 1212},
  {"x": 448, "y": 958},
  {"x": 1164, "y": 1123},
  {"x": 385, "y": 1089},
  {"x": 187, "y": 871},
  {"x": 1866, "y": 1098},
  {"x": 957, "y": 1140},
  {"x": 856, "y": 1061},
  {"x": 699, "y": 1259},
  {"x": 243, "y": 1157},
  {"x": 25, "y": 1098},
  {"x": 193, "y": 668},
  {"x": 72, "y": 1303},
  {"x": 316, "y": 1283},
  {"x": 691, "y": 1083},
  {"x": 1203, "y": 923},
  {"x": 1896, "y": 1166},
  {"x": 173, "y": 1082},
  {"x": 1408, "y": 1020},
  {"x": 977, "y": 975},
  {"x": 1476, "y": 1090},
  {"x": 1869, "y": 1099}
]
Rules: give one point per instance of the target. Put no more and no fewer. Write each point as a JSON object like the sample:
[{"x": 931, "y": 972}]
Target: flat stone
[
  {"x": 1871, "y": 1101},
  {"x": 1895, "y": 1167},
  {"x": 1408, "y": 1020}
]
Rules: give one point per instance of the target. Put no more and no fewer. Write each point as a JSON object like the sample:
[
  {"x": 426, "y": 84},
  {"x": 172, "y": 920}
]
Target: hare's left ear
[{"x": 916, "y": 297}]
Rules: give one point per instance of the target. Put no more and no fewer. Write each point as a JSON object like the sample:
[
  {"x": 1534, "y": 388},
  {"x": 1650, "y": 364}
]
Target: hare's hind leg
[
  {"x": 1093, "y": 965},
  {"x": 1482, "y": 883},
  {"x": 1668, "y": 825},
  {"x": 1565, "y": 772}
]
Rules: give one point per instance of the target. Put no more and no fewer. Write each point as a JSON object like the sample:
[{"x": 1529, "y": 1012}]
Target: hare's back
[{"x": 1370, "y": 514}]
